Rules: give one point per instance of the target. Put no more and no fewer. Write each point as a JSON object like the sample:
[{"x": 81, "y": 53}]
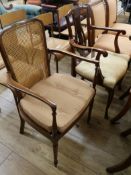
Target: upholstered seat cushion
[
  {"x": 71, "y": 96},
  {"x": 106, "y": 41},
  {"x": 56, "y": 43},
  {"x": 113, "y": 68},
  {"x": 123, "y": 26}
]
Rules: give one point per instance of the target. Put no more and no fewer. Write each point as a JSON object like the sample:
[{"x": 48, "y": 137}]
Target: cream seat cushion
[
  {"x": 71, "y": 96},
  {"x": 113, "y": 68},
  {"x": 123, "y": 26},
  {"x": 56, "y": 43},
  {"x": 106, "y": 42}
]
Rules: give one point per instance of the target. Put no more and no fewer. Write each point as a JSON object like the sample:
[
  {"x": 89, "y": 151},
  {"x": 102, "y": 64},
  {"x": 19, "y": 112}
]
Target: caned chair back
[
  {"x": 112, "y": 5},
  {"x": 25, "y": 57},
  {"x": 78, "y": 34},
  {"x": 12, "y": 17},
  {"x": 98, "y": 16}
]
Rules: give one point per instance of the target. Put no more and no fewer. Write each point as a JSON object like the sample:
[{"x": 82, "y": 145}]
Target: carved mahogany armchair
[
  {"x": 108, "y": 76},
  {"x": 39, "y": 95}
]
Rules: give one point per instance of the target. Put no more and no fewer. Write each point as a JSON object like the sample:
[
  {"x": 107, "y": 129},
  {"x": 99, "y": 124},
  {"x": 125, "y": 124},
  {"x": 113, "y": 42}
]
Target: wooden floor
[{"x": 85, "y": 150}]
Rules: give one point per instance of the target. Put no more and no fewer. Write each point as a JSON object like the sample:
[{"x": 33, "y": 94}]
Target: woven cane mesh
[{"x": 26, "y": 52}]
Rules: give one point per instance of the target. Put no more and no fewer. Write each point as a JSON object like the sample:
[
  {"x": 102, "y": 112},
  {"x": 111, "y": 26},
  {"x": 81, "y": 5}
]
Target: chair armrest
[
  {"x": 108, "y": 29},
  {"x": 74, "y": 56},
  {"x": 99, "y": 51},
  {"x": 118, "y": 32},
  {"x": 15, "y": 85},
  {"x": 7, "y": 8}
]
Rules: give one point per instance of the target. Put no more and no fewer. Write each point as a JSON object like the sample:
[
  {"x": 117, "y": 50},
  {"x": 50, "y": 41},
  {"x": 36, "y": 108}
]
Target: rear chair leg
[
  {"x": 22, "y": 126},
  {"x": 110, "y": 98},
  {"x": 90, "y": 111}
]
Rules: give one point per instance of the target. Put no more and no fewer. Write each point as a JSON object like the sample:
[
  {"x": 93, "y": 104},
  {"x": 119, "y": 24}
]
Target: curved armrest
[
  {"x": 7, "y": 8},
  {"x": 77, "y": 46},
  {"x": 108, "y": 29},
  {"x": 19, "y": 87},
  {"x": 72, "y": 55},
  {"x": 118, "y": 32}
]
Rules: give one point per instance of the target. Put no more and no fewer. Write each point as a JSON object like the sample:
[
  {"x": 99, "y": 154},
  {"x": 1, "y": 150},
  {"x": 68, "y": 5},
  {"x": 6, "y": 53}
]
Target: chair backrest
[
  {"x": 63, "y": 10},
  {"x": 98, "y": 16},
  {"x": 12, "y": 17},
  {"x": 25, "y": 56},
  {"x": 76, "y": 14},
  {"x": 111, "y": 11},
  {"x": 61, "y": 13},
  {"x": 47, "y": 20},
  {"x": 83, "y": 1}
]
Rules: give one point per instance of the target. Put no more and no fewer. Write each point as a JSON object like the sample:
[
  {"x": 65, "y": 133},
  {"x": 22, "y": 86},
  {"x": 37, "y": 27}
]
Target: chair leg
[
  {"x": 125, "y": 94},
  {"x": 57, "y": 66},
  {"x": 126, "y": 132},
  {"x": 121, "y": 166},
  {"x": 73, "y": 65},
  {"x": 124, "y": 110},
  {"x": 90, "y": 111},
  {"x": 22, "y": 126},
  {"x": 110, "y": 98},
  {"x": 55, "y": 151}
]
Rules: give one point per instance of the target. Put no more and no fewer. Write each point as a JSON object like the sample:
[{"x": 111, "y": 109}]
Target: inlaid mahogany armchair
[
  {"x": 52, "y": 104},
  {"x": 112, "y": 68}
]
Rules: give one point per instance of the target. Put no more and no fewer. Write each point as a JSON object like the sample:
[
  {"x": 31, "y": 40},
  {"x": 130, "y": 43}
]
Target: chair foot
[
  {"x": 55, "y": 151},
  {"x": 22, "y": 126}
]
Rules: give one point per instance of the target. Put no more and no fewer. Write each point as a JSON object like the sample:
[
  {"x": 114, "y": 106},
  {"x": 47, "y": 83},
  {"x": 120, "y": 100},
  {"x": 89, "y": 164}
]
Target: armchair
[
  {"x": 105, "y": 40},
  {"x": 111, "y": 16},
  {"x": 108, "y": 76},
  {"x": 38, "y": 95},
  {"x": 59, "y": 16}
]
